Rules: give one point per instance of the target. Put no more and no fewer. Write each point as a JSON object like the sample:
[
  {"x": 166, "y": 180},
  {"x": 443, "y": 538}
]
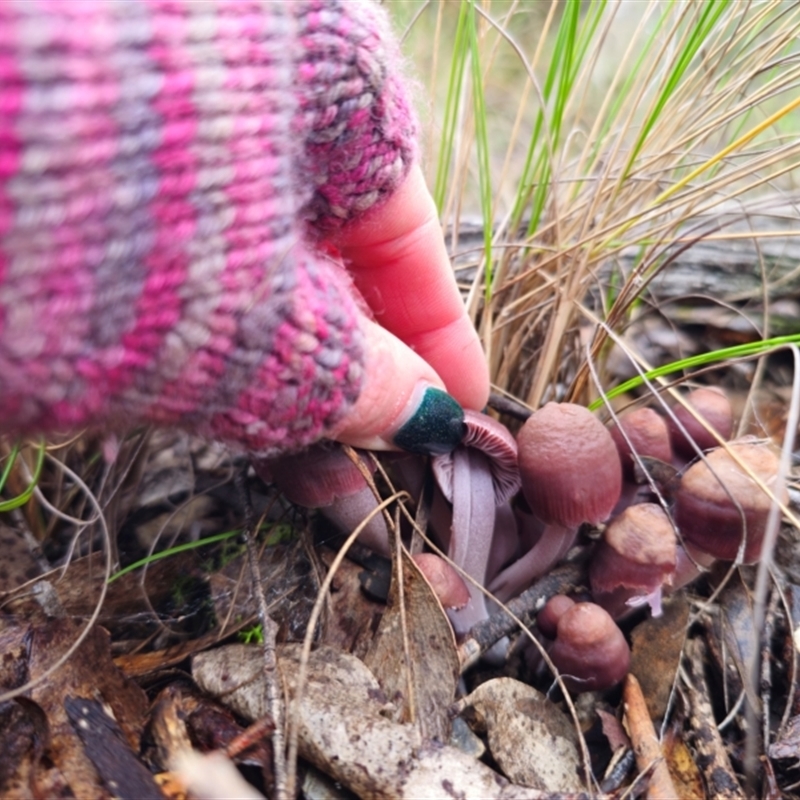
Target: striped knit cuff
[
  {"x": 359, "y": 128},
  {"x": 152, "y": 263}
]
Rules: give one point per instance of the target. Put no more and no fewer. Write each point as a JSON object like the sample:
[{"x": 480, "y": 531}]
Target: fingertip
[
  {"x": 403, "y": 403},
  {"x": 399, "y": 263}
]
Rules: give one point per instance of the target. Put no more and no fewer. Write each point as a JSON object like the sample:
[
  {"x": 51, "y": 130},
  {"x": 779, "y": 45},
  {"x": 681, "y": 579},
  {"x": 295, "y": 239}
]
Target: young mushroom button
[
  {"x": 635, "y": 558},
  {"x": 642, "y": 432},
  {"x": 714, "y": 407},
  {"x": 589, "y": 651},
  {"x": 446, "y": 583}
]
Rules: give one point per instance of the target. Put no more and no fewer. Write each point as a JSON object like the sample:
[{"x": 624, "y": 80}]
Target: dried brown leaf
[
  {"x": 413, "y": 655},
  {"x": 657, "y": 644}
]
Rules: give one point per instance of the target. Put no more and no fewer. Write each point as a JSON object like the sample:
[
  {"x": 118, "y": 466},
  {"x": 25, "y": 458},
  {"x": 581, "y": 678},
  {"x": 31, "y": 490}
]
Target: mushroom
[
  {"x": 642, "y": 432},
  {"x": 571, "y": 474},
  {"x": 547, "y": 619},
  {"x": 479, "y": 475},
  {"x": 719, "y": 507},
  {"x": 714, "y": 407},
  {"x": 323, "y": 477},
  {"x": 446, "y": 583},
  {"x": 634, "y": 559},
  {"x": 589, "y": 651},
  {"x": 643, "y": 442}
]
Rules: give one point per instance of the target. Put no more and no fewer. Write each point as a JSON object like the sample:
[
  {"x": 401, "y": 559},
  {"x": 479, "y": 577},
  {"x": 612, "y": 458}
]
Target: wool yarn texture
[{"x": 168, "y": 171}]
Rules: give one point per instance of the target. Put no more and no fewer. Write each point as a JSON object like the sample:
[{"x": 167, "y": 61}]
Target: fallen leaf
[
  {"x": 735, "y": 643},
  {"x": 104, "y": 743},
  {"x": 24, "y": 735},
  {"x": 657, "y": 644},
  {"x": 613, "y": 731},
  {"x": 89, "y": 672},
  {"x": 354, "y": 616},
  {"x": 413, "y": 654},
  {"x": 788, "y": 743},
  {"x": 684, "y": 772}
]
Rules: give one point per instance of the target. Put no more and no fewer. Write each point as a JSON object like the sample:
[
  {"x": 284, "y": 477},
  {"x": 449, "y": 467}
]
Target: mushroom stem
[
  {"x": 553, "y": 545},
  {"x": 347, "y": 513},
  {"x": 323, "y": 477},
  {"x": 479, "y": 475},
  {"x": 473, "y": 525},
  {"x": 505, "y": 541}
]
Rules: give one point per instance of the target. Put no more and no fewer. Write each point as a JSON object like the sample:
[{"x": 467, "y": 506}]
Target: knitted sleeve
[
  {"x": 360, "y": 132},
  {"x": 163, "y": 166}
]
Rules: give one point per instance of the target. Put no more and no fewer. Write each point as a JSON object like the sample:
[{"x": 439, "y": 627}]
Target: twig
[
  {"x": 485, "y": 634},
  {"x": 505, "y": 405},
  {"x": 618, "y": 772},
  {"x": 766, "y": 664},
  {"x": 270, "y": 629},
  {"x": 721, "y": 781},
  {"x": 646, "y": 746}
]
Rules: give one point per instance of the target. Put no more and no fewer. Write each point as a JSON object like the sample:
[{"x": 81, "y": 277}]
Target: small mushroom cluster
[{"x": 657, "y": 533}]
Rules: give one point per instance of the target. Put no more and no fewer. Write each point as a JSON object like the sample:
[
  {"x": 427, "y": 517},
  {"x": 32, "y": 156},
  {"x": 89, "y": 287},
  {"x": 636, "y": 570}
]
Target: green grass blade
[
  {"x": 709, "y": 16},
  {"x": 171, "y": 551},
  {"x": 482, "y": 143},
  {"x": 758, "y": 348},
  {"x": 12, "y": 457},
  {"x": 450, "y": 122},
  {"x": 21, "y": 499}
]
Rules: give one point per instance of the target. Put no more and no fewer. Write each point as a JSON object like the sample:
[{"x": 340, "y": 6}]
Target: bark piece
[
  {"x": 530, "y": 738},
  {"x": 712, "y": 757}
]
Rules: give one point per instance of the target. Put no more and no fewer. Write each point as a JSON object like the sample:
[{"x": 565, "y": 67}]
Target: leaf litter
[{"x": 705, "y": 668}]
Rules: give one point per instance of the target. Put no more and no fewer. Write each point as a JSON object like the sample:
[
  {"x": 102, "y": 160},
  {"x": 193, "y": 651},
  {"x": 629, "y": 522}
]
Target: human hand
[{"x": 421, "y": 336}]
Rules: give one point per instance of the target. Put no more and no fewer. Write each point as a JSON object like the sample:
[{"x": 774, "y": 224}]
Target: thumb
[{"x": 402, "y": 404}]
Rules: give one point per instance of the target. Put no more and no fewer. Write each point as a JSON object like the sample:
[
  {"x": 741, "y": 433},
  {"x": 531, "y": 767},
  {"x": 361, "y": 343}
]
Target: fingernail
[{"x": 436, "y": 427}]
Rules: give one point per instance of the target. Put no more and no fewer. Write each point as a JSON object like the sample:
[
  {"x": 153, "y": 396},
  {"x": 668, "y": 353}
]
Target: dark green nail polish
[{"x": 437, "y": 426}]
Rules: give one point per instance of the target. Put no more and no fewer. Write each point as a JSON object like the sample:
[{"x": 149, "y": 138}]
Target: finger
[
  {"x": 398, "y": 261},
  {"x": 402, "y": 403}
]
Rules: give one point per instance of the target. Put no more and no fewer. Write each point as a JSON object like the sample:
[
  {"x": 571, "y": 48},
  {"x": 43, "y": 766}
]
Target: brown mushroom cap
[
  {"x": 547, "y": 619},
  {"x": 590, "y": 650},
  {"x": 648, "y": 434},
  {"x": 447, "y": 584},
  {"x": 638, "y": 551},
  {"x": 711, "y": 404},
  {"x": 569, "y": 464},
  {"x": 705, "y": 513},
  {"x": 314, "y": 478}
]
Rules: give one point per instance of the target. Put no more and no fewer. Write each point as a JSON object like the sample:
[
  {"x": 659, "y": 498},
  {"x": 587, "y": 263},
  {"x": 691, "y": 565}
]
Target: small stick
[
  {"x": 766, "y": 664},
  {"x": 561, "y": 580},
  {"x": 252, "y": 735},
  {"x": 505, "y": 405},
  {"x": 721, "y": 780},
  {"x": 617, "y": 774},
  {"x": 646, "y": 746},
  {"x": 270, "y": 628}
]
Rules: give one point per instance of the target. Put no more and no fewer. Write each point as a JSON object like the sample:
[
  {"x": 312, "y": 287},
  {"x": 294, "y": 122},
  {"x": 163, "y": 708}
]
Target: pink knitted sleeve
[{"x": 163, "y": 168}]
